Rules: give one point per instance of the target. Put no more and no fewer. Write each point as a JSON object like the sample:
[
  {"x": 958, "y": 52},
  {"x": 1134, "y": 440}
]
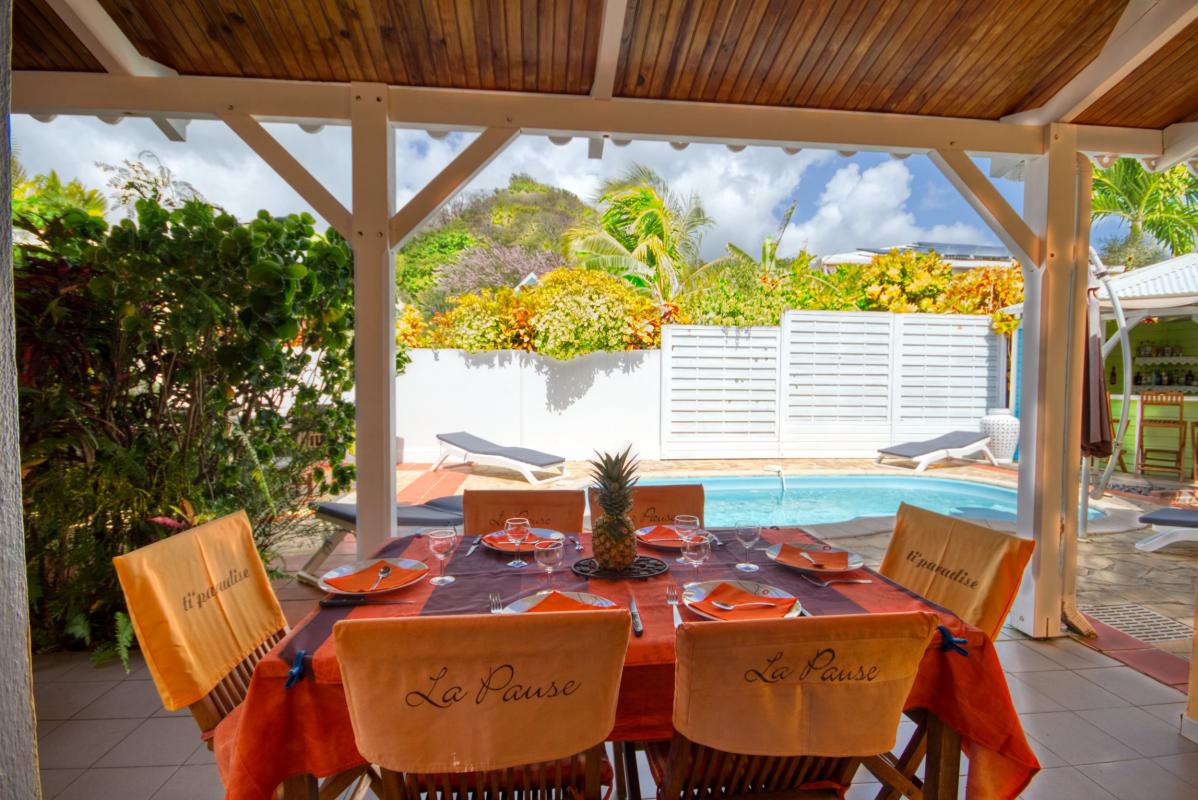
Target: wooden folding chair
[
  {"x": 200, "y": 600},
  {"x": 657, "y": 505},
  {"x": 485, "y": 511},
  {"x": 479, "y": 707},
  {"x": 971, "y": 570},
  {"x": 1166, "y": 456},
  {"x": 786, "y": 708}
]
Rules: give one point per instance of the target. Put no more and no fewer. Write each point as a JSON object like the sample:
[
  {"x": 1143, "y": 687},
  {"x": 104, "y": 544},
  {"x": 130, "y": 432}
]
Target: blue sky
[{"x": 868, "y": 199}]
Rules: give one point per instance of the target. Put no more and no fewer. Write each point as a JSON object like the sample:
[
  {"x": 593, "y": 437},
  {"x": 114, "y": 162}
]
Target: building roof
[
  {"x": 955, "y": 254},
  {"x": 1169, "y": 283}
]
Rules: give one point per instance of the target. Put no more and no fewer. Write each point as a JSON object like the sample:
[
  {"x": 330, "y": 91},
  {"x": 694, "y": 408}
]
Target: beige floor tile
[
  {"x": 54, "y": 781},
  {"x": 79, "y": 743},
  {"x": 1018, "y": 657},
  {"x": 1044, "y": 755},
  {"x": 65, "y": 700},
  {"x": 1069, "y": 689},
  {"x": 1028, "y": 700},
  {"x": 1070, "y": 654},
  {"x": 1138, "y": 780},
  {"x": 863, "y": 791},
  {"x": 1075, "y": 740},
  {"x": 123, "y": 783},
  {"x": 202, "y": 755},
  {"x": 1184, "y": 766},
  {"x": 200, "y": 782},
  {"x": 1132, "y": 686},
  {"x": 1064, "y": 783},
  {"x": 1167, "y": 712},
  {"x": 131, "y": 699},
  {"x": 1140, "y": 731},
  {"x": 157, "y": 742}
]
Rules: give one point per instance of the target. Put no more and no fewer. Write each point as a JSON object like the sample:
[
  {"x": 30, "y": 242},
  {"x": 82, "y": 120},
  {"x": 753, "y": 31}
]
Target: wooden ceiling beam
[
  {"x": 1145, "y": 27},
  {"x": 91, "y": 24},
  {"x": 46, "y": 93}
]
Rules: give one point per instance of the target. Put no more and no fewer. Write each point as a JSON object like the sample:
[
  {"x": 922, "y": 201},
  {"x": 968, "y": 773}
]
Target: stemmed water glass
[
  {"x": 696, "y": 549},
  {"x": 687, "y": 527},
  {"x": 441, "y": 543},
  {"x": 516, "y": 530},
  {"x": 549, "y": 553},
  {"x": 747, "y": 538}
]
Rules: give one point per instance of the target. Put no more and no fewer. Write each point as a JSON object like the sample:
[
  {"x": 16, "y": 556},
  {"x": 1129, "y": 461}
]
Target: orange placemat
[
  {"x": 556, "y": 601},
  {"x": 832, "y": 560},
  {"x": 360, "y": 582},
  {"x": 727, "y": 593}
]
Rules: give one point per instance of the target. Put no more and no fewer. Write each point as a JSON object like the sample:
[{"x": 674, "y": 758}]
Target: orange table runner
[{"x": 306, "y": 729}]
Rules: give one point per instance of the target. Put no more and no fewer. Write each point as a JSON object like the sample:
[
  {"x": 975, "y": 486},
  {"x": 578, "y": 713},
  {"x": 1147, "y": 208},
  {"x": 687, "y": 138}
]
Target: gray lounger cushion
[
  {"x": 1172, "y": 517},
  {"x": 473, "y": 444},
  {"x": 443, "y": 513},
  {"x": 949, "y": 441}
]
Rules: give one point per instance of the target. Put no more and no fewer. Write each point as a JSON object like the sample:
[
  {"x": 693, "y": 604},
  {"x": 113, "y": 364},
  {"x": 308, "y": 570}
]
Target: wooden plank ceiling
[{"x": 957, "y": 58}]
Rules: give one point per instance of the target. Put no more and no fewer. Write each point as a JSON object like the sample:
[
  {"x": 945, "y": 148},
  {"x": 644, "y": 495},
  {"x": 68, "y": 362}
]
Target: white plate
[
  {"x": 640, "y": 534},
  {"x": 695, "y": 592},
  {"x": 530, "y": 602},
  {"x": 349, "y": 569},
  {"x": 855, "y": 561},
  {"x": 526, "y": 546}
]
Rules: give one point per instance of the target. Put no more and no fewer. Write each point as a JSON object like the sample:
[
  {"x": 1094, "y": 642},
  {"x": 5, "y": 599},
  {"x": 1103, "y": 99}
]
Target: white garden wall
[
  {"x": 569, "y": 408},
  {"x": 830, "y": 384}
]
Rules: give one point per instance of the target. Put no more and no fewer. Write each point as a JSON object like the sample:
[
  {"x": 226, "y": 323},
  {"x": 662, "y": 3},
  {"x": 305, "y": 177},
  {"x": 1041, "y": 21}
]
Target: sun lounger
[
  {"x": 440, "y": 512},
  {"x": 1172, "y": 525},
  {"x": 469, "y": 447},
  {"x": 958, "y": 444}
]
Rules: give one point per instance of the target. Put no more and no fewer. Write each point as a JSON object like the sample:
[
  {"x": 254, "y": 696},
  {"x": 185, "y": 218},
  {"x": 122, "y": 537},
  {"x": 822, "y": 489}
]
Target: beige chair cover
[
  {"x": 657, "y": 505},
  {"x": 971, "y": 570},
  {"x": 557, "y": 509},
  {"x": 818, "y": 686},
  {"x": 475, "y": 693},
  {"x": 200, "y": 603}
]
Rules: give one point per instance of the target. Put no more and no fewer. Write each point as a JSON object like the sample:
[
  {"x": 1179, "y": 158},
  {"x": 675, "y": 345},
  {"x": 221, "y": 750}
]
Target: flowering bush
[
  {"x": 985, "y": 291},
  {"x": 579, "y": 311},
  {"x": 495, "y": 266},
  {"x": 904, "y": 282},
  {"x": 475, "y": 322}
]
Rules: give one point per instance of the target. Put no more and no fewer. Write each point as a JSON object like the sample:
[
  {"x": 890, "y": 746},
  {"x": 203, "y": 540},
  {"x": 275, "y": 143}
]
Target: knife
[
  {"x": 474, "y": 545},
  {"x": 352, "y": 601},
  {"x": 638, "y": 628}
]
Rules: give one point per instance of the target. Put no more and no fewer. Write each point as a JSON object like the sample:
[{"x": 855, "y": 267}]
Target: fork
[
  {"x": 496, "y": 603},
  {"x": 672, "y": 599},
  {"x": 826, "y": 584}
]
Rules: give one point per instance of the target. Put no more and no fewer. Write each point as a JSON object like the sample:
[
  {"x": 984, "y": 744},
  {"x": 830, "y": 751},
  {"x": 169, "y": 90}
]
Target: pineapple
[{"x": 613, "y": 536}]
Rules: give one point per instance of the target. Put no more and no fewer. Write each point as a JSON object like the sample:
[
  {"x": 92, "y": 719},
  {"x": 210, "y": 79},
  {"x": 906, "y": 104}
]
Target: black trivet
[{"x": 643, "y": 567}]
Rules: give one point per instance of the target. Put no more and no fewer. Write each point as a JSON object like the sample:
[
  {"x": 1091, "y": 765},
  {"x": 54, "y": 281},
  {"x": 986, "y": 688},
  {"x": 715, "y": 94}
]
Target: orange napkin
[
  {"x": 820, "y": 559},
  {"x": 661, "y": 534},
  {"x": 361, "y": 581},
  {"x": 499, "y": 541},
  {"x": 727, "y": 593},
  {"x": 556, "y": 601}
]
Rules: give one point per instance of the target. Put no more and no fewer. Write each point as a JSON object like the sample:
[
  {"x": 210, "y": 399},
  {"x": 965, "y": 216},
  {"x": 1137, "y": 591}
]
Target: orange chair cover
[
  {"x": 971, "y": 570},
  {"x": 654, "y": 505},
  {"x": 481, "y": 692},
  {"x": 819, "y": 686},
  {"x": 200, "y": 603},
  {"x": 485, "y": 511}
]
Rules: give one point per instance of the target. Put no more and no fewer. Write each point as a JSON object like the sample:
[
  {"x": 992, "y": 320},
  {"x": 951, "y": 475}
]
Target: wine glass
[
  {"x": 696, "y": 549},
  {"x": 747, "y": 538},
  {"x": 441, "y": 543},
  {"x": 686, "y": 526},
  {"x": 516, "y": 530},
  {"x": 549, "y": 553}
]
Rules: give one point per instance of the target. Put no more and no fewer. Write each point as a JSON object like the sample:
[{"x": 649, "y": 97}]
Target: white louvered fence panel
[{"x": 719, "y": 391}]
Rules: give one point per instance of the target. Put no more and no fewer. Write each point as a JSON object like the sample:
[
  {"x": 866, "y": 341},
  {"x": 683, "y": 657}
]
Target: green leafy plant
[
  {"x": 173, "y": 368},
  {"x": 579, "y": 311},
  {"x": 1161, "y": 205}
]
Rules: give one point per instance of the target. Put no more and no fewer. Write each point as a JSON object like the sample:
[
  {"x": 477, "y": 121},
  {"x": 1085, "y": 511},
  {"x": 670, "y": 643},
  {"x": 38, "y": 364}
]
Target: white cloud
[{"x": 868, "y": 208}]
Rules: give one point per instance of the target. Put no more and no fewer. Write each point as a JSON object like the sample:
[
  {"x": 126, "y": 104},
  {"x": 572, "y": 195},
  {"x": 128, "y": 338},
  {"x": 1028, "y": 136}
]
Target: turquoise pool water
[{"x": 812, "y": 499}]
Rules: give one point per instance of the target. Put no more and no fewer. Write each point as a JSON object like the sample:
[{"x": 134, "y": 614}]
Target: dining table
[{"x": 295, "y": 723}]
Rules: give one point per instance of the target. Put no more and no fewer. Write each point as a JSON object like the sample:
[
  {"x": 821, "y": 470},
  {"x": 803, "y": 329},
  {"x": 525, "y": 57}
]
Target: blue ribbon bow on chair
[
  {"x": 296, "y": 673},
  {"x": 950, "y": 642}
]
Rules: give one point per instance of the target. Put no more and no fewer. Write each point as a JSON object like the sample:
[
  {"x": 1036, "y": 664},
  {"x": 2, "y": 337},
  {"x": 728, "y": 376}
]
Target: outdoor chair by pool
[
  {"x": 538, "y": 698},
  {"x": 657, "y": 505},
  {"x": 469, "y": 447},
  {"x": 786, "y": 707},
  {"x": 485, "y": 510},
  {"x": 1171, "y": 525},
  {"x": 971, "y": 570},
  {"x": 958, "y": 444},
  {"x": 205, "y": 615}
]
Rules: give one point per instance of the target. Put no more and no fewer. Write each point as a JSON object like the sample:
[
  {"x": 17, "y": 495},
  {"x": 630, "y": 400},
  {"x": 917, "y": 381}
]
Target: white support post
[
  {"x": 989, "y": 204},
  {"x": 373, "y": 143},
  {"x": 1180, "y": 142},
  {"x": 290, "y": 170},
  {"x": 1049, "y": 458},
  {"x": 608, "y": 56},
  {"x": 447, "y": 182},
  {"x": 104, "y": 39}
]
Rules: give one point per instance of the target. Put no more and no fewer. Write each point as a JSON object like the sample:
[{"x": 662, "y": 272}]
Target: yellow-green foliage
[
  {"x": 579, "y": 311},
  {"x": 476, "y": 322},
  {"x": 904, "y": 282}
]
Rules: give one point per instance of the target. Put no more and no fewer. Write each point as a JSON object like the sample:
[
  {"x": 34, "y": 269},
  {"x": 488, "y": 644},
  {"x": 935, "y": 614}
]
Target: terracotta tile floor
[{"x": 1101, "y": 728}]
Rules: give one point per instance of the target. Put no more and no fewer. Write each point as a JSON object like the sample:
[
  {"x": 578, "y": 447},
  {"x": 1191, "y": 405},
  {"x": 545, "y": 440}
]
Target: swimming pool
[{"x": 813, "y": 499}]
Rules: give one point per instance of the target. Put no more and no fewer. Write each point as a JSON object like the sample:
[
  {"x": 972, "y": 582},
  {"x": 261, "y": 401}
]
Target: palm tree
[
  {"x": 769, "y": 264},
  {"x": 644, "y": 233},
  {"x": 1163, "y": 205},
  {"x": 50, "y": 188}
]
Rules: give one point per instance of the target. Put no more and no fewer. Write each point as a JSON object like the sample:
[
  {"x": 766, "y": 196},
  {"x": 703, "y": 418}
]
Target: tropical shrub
[
  {"x": 904, "y": 281},
  {"x": 494, "y": 267},
  {"x": 417, "y": 263},
  {"x": 1162, "y": 206},
  {"x": 579, "y": 311},
  {"x": 476, "y": 322},
  {"x": 985, "y": 291},
  {"x": 175, "y": 367}
]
